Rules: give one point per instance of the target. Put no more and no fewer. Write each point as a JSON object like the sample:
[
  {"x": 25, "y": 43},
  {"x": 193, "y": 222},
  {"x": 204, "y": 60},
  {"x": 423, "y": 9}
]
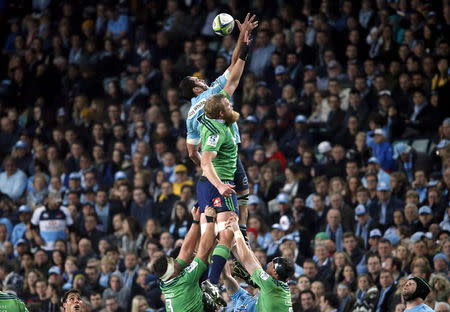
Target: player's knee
[{"x": 226, "y": 237}]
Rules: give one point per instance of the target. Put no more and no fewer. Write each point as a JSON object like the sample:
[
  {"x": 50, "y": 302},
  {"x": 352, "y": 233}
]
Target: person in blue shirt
[
  {"x": 382, "y": 150},
  {"x": 19, "y": 229},
  {"x": 414, "y": 293}
]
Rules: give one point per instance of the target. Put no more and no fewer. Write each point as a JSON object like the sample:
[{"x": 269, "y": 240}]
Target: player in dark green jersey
[
  {"x": 9, "y": 303},
  {"x": 180, "y": 281},
  {"x": 274, "y": 294}
]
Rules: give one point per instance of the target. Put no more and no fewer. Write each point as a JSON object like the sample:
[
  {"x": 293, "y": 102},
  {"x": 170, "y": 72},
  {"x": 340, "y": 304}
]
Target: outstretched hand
[{"x": 248, "y": 25}]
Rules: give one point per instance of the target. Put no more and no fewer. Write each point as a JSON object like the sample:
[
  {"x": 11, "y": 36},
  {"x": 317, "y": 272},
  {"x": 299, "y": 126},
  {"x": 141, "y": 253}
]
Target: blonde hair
[{"x": 214, "y": 105}]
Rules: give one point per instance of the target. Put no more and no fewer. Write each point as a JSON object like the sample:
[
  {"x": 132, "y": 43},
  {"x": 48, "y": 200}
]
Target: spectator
[{"x": 12, "y": 179}]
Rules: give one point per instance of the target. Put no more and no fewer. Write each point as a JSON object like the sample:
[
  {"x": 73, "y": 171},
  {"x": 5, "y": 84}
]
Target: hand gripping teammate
[
  {"x": 198, "y": 92},
  {"x": 180, "y": 282},
  {"x": 274, "y": 294}
]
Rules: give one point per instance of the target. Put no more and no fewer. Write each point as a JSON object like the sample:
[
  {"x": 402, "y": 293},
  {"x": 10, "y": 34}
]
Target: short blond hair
[{"x": 214, "y": 105}]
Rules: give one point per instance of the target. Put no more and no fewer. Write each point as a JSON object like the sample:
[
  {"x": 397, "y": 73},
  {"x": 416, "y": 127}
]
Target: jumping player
[{"x": 198, "y": 92}]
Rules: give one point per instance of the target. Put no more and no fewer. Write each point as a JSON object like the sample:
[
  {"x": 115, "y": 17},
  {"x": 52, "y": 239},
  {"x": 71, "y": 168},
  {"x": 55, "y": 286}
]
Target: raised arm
[
  {"x": 230, "y": 283},
  {"x": 238, "y": 68},
  {"x": 209, "y": 237},
  {"x": 190, "y": 241},
  {"x": 248, "y": 25},
  {"x": 242, "y": 252}
]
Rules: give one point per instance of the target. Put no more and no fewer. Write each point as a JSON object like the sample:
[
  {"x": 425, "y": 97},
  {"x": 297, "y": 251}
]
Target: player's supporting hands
[
  {"x": 232, "y": 224},
  {"x": 210, "y": 212},
  {"x": 226, "y": 190},
  {"x": 195, "y": 211}
]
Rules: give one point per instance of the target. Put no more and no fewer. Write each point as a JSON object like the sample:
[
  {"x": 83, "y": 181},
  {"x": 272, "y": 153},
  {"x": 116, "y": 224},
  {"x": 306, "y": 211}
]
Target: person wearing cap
[
  {"x": 293, "y": 136},
  {"x": 181, "y": 179},
  {"x": 364, "y": 224},
  {"x": 414, "y": 293},
  {"x": 425, "y": 219},
  {"x": 21, "y": 155},
  {"x": 282, "y": 207},
  {"x": 345, "y": 296},
  {"x": 276, "y": 238},
  {"x": 373, "y": 166},
  {"x": 382, "y": 149},
  {"x": 409, "y": 160},
  {"x": 13, "y": 181},
  {"x": 441, "y": 264},
  {"x": 382, "y": 210},
  {"x": 274, "y": 292},
  {"x": 20, "y": 228}
]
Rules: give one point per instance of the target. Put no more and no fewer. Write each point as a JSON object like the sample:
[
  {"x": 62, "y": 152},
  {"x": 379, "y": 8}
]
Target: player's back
[
  {"x": 10, "y": 303},
  {"x": 183, "y": 292},
  {"x": 274, "y": 295}
]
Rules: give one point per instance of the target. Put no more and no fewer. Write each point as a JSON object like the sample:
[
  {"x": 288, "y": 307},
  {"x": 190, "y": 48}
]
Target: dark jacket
[
  {"x": 393, "y": 204},
  {"x": 419, "y": 160}
]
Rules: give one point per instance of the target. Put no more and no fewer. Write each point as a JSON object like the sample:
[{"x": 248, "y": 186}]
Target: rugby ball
[{"x": 223, "y": 24}]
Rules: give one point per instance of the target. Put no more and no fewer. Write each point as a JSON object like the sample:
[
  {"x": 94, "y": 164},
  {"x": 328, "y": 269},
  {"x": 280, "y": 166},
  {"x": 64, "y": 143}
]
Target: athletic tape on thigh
[
  {"x": 219, "y": 227},
  {"x": 242, "y": 199}
]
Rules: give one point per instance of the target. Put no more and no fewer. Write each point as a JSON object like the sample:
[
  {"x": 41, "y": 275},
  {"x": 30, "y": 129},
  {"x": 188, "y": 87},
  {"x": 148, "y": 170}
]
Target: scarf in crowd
[{"x": 336, "y": 236}]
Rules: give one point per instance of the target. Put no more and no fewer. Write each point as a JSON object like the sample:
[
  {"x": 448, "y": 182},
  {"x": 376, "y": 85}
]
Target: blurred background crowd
[{"x": 345, "y": 139}]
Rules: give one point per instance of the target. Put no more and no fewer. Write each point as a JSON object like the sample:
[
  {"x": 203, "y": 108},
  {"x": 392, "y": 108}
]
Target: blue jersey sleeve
[
  {"x": 220, "y": 82},
  {"x": 193, "y": 133}
]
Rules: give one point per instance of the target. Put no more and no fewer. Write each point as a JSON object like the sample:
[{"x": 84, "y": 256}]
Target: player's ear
[{"x": 197, "y": 90}]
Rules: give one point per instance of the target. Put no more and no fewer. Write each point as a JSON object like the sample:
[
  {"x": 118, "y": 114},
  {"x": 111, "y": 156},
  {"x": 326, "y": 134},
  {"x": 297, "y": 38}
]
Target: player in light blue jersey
[{"x": 198, "y": 92}]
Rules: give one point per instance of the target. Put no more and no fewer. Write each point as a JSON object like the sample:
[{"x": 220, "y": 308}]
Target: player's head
[
  {"x": 164, "y": 267},
  {"x": 217, "y": 106},
  {"x": 72, "y": 301},
  {"x": 415, "y": 287},
  {"x": 281, "y": 269},
  {"x": 192, "y": 86}
]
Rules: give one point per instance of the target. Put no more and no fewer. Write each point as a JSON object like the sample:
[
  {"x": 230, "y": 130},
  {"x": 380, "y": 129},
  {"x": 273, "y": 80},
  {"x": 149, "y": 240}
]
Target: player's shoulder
[
  {"x": 8, "y": 296},
  {"x": 210, "y": 125}
]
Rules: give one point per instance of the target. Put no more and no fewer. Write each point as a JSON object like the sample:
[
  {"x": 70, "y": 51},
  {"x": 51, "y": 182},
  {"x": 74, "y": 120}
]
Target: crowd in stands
[{"x": 345, "y": 139}]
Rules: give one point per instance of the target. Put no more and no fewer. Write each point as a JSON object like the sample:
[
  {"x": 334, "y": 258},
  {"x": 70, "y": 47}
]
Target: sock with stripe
[{"x": 218, "y": 261}]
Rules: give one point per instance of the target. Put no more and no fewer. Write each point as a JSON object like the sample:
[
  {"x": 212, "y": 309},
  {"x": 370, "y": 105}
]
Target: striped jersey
[
  {"x": 217, "y": 136},
  {"x": 10, "y": 303}
]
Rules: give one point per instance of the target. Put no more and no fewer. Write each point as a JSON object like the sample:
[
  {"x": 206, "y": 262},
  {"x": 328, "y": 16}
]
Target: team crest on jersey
[
  {"x": 217, "y": 202},
  {"x": 212, "y": 140},
  {"x": 264, "y": 276}
]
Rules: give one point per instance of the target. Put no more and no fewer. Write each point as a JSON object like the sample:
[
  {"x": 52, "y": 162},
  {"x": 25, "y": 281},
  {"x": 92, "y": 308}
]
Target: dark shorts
[
  {"x": 240, "y": 177},
  {"x": 208, "y": 195}
]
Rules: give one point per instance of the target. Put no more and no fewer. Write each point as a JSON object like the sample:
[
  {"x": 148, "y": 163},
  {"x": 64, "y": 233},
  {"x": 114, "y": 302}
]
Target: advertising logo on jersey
[{"x": 217, "y": 202}]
